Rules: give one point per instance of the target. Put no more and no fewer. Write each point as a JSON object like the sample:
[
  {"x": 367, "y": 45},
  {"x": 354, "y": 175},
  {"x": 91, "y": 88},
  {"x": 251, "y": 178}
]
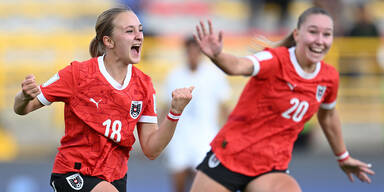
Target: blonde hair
[{"x": 104, "y": 27}]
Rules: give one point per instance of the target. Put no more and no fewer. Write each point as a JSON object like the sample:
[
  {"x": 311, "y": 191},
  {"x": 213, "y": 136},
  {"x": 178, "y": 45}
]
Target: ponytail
[
  {"x": 287, "y": 42},
  {"x": 96, "y": 48},
  {"x": 260, "y": 42}
]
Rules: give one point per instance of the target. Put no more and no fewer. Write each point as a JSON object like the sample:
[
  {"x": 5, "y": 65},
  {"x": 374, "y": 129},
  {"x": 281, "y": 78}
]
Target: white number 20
[
  {"x": 116, "y": 128},
  {"x": 298, "y": 109}
]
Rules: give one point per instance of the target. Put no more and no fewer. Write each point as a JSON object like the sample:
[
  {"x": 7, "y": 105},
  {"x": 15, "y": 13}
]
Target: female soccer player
[
  {"x": 105, "y": 98},
  {"x": 289, "y": 84}
]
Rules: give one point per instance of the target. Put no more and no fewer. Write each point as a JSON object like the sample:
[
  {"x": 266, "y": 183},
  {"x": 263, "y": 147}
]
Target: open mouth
[
  {"x": 135, "y": 49},
  {"x": 316, "y": 50}
]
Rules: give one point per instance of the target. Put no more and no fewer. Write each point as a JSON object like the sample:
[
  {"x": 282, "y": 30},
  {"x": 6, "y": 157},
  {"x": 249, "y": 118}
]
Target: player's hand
[
  {"x": 355, "y": 167},
  {"x": 29, "y": 88},
  {"x": 210, "y": 44},
  {"x": 180, "y": 99}
]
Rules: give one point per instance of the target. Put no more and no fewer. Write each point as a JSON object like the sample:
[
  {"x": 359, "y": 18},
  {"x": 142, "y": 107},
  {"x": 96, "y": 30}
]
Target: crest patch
[
  {"x": 213, "y": 161},
  {"x": 135, "y": 110},
  {"x": 75, "y": 181},
  {"x": 320, "y": 92}
]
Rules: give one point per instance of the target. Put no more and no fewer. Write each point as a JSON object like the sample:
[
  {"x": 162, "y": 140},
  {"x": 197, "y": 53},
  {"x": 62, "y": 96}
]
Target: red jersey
[
  {"x": 100, "y": 116},
  {"x": 271, "y": 111}
]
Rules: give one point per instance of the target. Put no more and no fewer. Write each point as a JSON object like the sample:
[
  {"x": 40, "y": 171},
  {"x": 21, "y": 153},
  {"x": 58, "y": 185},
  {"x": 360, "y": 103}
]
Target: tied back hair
[
  {"x": 104, "y": 27},
  {"x": 261, "y": 42}
]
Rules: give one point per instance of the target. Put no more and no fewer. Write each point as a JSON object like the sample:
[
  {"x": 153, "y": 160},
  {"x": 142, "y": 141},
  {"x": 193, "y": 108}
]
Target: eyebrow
[
  {"x": 314, "y": 26},
  {"x": 132, "y": 26}
]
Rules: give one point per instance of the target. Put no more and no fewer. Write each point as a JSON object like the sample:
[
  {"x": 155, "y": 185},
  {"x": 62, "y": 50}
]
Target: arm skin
[
  {"x": 154, "y": 138},
  {"x": 26, "y": 100},
  {"x": 330, "y": 123},
  {"x": 212, "y": 46}
]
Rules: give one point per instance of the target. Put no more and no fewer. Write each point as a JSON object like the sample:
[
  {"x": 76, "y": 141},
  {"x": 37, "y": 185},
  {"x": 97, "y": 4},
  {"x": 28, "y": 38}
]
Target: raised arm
[
  {"x": 153, "y": 139},
  {"x": 330, "y": 123},
  {"x": 26, "y": 100},
  {"x": 212, "y": 46}
]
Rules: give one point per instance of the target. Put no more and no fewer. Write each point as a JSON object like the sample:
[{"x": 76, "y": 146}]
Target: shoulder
[
  {"x": 86, "y": 63},
  {"x": 272, "y": 54},
  {"x": 137, "y": 74},
  {"x": 278, "y": 51},
  {"x": 83, "y": 69},
  {"x": 329, "y": 70}
]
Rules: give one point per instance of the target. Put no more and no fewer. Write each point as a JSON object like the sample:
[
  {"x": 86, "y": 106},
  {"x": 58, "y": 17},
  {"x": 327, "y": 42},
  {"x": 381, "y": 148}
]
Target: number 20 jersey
[
  {"x": 100, "y": 117},
  {"x": 271, "y": 111}
]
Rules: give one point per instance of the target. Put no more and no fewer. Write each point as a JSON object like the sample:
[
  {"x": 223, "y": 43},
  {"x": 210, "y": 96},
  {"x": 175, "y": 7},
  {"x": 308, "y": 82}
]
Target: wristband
[
  {"x": 173, "y": 116},
  {"x": 342, "y": 156}
]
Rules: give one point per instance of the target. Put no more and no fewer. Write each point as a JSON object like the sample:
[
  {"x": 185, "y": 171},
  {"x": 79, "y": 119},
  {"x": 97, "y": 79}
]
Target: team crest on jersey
[
  {"x": 75, "y": 181},
  {"x": 213, "y": 161},
  {"x": 320, "y": 92},
  {"x": 136, "y": 107}
]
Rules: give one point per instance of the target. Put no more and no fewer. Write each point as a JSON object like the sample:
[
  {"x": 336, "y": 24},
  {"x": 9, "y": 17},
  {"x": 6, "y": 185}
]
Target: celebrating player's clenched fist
[
  {"x": 29, "y": 88},
  {"x": 180, "y": 99}
]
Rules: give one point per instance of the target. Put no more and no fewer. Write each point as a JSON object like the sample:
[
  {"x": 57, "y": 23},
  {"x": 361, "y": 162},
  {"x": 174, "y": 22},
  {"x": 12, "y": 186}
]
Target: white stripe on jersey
[
  {"x": 148, "y": 119},
  {"x": 328, "y": 106},
  {"x": 43, "y": 100},
  {"x": 256, "y": 65}
]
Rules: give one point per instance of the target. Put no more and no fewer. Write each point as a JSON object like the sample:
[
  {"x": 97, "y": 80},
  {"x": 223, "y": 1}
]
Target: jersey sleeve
[
  {"x": 149, "y": 114},
  {"x": 57, "y": 88},
  {"x": 329, "y": 101},
  {"x": 263, "y": 63}
]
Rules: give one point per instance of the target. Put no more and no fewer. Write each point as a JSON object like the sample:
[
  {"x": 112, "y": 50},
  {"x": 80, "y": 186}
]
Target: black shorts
[
  {"x": 78, "y": 182},
  {"x": 233, "y": 181}
]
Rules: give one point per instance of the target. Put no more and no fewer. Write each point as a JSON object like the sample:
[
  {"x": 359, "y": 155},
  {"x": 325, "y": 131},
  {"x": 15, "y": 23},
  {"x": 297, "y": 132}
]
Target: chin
[
  {"x": 134, "y": 60},
  {"x": 315, "y": 59}
]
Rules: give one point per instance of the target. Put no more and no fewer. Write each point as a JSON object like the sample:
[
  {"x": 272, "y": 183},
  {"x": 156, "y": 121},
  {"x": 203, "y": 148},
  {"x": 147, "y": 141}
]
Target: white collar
[
  {"x": 298, "y": 68},
  {"x": 110, "y": 79}
]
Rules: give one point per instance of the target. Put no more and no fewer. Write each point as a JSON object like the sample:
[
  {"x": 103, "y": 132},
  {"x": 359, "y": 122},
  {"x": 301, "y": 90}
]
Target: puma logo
[
  {"x": 291, "y": 86},
  {"x": 93, "y": 101}
]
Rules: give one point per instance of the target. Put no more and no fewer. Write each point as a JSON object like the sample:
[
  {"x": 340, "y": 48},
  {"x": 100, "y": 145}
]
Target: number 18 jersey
[{"x": 100, "y": 117}]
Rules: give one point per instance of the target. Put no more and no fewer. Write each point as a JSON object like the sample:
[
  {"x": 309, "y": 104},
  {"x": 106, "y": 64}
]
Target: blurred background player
[
  {"x": 105, "y": 98},
  {"x": 289, "y": 84},
  {"x": 200, "y": 119}
]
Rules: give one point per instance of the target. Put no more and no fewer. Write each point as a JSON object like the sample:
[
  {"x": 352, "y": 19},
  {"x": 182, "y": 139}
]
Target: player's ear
[
  {"x": 295, "y": 34},
  {"x": 108, "y": 42}
]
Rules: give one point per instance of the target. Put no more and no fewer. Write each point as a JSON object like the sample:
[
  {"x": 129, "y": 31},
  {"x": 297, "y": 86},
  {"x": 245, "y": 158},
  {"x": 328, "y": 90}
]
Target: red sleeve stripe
[
  {"x": 173, "y": 116},
  {"x": 342, "y": 156}
]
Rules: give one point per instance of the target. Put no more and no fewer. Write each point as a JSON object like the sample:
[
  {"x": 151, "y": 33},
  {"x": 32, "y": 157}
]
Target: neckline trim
[
  {"x": 110, "y": 79},
  {"x": 298, "y": 68}
]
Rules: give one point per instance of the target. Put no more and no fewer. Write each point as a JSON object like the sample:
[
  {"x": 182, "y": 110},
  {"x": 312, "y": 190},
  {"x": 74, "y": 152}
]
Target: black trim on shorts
[
  {"x": 233, "y": 181},
  {"x": 59, "y": 182}
]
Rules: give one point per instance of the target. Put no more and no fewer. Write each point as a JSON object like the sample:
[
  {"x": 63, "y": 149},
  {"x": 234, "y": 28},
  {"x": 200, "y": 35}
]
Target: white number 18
[{"x": 116, "y": 128}]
